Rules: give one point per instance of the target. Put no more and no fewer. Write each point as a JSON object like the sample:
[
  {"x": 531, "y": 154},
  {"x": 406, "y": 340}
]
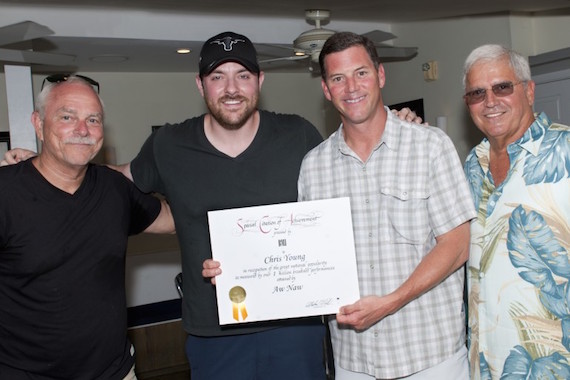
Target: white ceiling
[
  {"x": 147, "y": 32},
  {"x": 371, "y": 10}
]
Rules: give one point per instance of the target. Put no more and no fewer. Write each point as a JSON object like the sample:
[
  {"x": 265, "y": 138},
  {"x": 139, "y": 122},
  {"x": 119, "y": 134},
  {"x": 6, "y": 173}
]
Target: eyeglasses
[
  {"x": 500, "y": 89},
  {"x": 58, "y": 78}
]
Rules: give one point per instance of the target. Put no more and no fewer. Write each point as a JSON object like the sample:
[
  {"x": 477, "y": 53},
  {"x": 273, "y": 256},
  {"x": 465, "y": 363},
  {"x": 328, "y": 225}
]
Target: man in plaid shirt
[{"x": 411, "y": 208}]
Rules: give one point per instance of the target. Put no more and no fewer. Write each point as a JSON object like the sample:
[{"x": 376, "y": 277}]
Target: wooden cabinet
[{"x": 160, "y": 351}]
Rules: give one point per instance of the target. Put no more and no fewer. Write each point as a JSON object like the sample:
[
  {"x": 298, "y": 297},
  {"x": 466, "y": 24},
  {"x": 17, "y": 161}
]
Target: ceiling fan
[
  {"x": 307, "y": 46},
  {"x": 16, "y": 45}
]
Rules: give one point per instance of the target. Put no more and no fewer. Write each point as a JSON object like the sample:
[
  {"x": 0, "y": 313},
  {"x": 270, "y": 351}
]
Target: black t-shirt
[
  {"x": 62, "y": 273},
  {"x": 179, "y": 162}
]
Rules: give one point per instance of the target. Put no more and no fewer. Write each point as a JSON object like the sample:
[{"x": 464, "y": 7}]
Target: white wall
[
  {"x": 150, "y": 278},
  {"x": 449, "y": 41},
  {"x": 3, "y": 104},
  {"x": 300, "y": 94},
  {"x": 136, "y": 101},
  {"x": 548, "y": 33}
]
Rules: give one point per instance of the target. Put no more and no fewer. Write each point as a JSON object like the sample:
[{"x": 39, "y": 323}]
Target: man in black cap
[{"x": 233, "y": 156}]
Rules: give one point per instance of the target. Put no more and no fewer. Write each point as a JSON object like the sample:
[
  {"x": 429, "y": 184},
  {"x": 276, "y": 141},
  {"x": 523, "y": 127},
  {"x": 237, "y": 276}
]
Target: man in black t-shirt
[
  {"x": 233, "y": 156},
  {"x": 63, "y": 238}
]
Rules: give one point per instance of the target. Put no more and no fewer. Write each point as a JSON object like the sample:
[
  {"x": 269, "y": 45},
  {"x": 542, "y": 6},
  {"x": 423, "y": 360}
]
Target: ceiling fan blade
[
  {"x": 23, "y": 31},
  {"x": 396, "y": 53},
  {"x": 26, "y": 56},
  {"x": 379, "y": 35},
  {"x": 289, "y": 58}
]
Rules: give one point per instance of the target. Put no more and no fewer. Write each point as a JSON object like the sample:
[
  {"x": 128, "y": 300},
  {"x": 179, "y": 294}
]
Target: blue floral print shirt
[{"x": 519, "y": 269}]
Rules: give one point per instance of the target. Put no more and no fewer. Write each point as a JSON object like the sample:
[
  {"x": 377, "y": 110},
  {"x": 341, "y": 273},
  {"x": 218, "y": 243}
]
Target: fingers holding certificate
[{"x": 284, "y": 261}]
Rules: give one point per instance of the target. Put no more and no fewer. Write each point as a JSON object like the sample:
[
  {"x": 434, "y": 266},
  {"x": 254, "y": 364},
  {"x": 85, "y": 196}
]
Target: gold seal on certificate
[
  {"x": 237, "y": 296},
  {"x": 290, "y": 257}
]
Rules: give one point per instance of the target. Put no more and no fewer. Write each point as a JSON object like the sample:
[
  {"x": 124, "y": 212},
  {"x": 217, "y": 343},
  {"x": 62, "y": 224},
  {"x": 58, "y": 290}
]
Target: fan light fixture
[
  {"x": 307, "y": 46},
  {"x": 312, "y": 40}
]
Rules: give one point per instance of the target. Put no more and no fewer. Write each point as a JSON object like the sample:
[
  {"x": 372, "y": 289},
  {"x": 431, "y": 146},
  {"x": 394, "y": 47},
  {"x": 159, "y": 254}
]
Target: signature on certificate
[{"x": 319, "y": 303}]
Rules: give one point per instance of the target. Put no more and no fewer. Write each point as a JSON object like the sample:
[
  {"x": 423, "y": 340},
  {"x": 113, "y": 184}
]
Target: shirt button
[
  {"x": 370, "y": 234},
  {"x": 371, "y": 266},
  {"x": 481, "y": 275},
  {"x": 367, "y": 201}
]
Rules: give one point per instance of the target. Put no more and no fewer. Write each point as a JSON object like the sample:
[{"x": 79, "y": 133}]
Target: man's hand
[
  {"x": 407, "y": 114},
  {"x": 366, "y": 311},
  {"x": 13, "y": 156},
  {"x": 210, "y": 269}
]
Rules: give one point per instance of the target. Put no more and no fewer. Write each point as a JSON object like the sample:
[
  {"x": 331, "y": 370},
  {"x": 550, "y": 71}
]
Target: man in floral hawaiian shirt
[{"x": 519, "y": 271}]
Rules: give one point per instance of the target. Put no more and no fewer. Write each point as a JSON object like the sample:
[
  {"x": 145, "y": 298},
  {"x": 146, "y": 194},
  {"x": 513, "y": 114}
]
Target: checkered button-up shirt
[{"x": 411, "y": 189}]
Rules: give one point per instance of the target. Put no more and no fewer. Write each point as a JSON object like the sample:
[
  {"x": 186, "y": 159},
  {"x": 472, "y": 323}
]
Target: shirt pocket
[{"x": 404, "y": 217}]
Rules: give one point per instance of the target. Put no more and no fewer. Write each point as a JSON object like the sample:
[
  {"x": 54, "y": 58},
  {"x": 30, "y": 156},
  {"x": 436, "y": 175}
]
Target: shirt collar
[
  {"x": 534, "y": 135},
  {"x": 530, "y": 140},
  {"x": 390, "y": 136}
]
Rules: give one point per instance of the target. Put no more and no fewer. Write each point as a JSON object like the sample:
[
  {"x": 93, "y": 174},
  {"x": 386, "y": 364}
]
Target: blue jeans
[{"x": 284, "y": 353}]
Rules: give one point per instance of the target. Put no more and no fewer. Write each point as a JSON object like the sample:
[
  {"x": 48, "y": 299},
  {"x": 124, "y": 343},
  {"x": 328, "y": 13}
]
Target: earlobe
[
  {"x": 261, "y": 78},
  {"x": 200, "y": 84},
  {"x": 381, "y": 76},
  {"x": 38, "y": 124},
  {"x": 530, "y": 92},
  {"x": 326, "y": 90}
]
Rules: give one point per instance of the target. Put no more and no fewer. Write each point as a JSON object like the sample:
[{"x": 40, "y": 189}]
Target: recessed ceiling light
[{"x": 183, "y": 51}]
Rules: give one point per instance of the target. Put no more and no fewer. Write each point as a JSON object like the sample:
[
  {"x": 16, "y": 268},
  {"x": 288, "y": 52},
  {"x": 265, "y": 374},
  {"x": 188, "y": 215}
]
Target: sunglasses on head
[
  {"x": 500, "y": 89},
  {"x": 58, "y": 78}
]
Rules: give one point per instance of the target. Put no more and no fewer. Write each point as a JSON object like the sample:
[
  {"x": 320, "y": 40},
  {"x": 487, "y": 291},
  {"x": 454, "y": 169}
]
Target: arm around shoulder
[
  {"x": 13, "y": 156},
  {"x": 125, "y": 169},
  {"x": 164, "y": 222}
]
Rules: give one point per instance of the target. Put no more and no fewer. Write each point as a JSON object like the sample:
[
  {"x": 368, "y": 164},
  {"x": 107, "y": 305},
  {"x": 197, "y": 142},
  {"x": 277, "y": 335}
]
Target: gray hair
[
  {"x": 43, "y": 96},
  {"x": 492, "y": 52}
]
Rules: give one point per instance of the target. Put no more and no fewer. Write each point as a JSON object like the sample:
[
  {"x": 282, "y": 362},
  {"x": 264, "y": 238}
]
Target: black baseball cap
[{"x": 227, "y": 47}]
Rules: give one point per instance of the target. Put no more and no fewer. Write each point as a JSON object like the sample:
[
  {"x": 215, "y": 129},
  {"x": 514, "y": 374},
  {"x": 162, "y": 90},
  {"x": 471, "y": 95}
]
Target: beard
[{"x": 232, "y": 120}]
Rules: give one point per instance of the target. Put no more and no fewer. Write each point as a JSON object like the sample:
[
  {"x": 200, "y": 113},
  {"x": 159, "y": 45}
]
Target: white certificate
[{"x": 284, "y": 260}]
